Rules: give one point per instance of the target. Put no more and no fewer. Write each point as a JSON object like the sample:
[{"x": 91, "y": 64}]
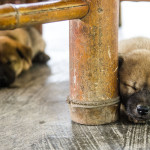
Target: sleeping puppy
[
  {"x": 18, "y": 48},
  {"x": 134, "y": 78}
]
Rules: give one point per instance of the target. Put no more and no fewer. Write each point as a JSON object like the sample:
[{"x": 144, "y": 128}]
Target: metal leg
[{"x": 93, "y": 95}]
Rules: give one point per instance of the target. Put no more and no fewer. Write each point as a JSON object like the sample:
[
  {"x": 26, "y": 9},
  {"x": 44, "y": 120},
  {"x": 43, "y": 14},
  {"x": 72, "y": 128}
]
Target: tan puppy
[
  {"x": 18, "y": 48},
  {"x": 134, "y": 77}
]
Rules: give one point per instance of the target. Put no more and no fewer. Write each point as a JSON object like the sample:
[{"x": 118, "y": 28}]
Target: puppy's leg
[{"x": 38, "y": 47}]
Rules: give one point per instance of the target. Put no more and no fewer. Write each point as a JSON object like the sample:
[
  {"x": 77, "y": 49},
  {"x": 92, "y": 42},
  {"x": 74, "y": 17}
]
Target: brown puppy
[
  {"x": 18, "y": 48},
  {"x": 134, "y": 77}
]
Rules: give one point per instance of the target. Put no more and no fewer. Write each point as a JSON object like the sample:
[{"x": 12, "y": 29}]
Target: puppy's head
[
  {"x": 134, "y": 84},
  {"x": 14, "y": 58}
]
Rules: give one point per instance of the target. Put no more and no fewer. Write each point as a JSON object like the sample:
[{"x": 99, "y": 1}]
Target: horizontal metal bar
[
  {"x": 13, "y": 15},
  {"x": 137, "y": 0}
]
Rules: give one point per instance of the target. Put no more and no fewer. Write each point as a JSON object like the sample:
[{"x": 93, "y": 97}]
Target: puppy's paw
[{"x": 41, "y": 57}]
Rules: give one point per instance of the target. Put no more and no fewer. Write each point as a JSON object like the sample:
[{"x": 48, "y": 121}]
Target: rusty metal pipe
[
  {"x": 136, "y": 0},
  {"x": 13, "y": 15},
  {"x": 93, "y": 95}
]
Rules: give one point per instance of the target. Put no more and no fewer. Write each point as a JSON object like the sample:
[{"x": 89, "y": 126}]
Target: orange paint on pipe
[{"x": 93, "y": 64}]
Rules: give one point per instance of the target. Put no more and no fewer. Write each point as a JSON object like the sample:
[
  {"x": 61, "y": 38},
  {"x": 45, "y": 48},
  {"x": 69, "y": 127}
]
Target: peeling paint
[
  {"x": 74, "y": 79},
  {"x": 116, "y": 69},
  {"x": 109, "y": 53}
]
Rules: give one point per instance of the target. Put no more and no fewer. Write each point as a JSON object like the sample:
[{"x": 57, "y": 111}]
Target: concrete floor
[{"x": 34, "y": 114}]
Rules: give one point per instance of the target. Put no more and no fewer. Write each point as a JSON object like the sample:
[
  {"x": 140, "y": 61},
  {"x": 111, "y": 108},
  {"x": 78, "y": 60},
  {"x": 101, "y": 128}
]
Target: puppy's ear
[
  {"x": 120, "y": 61},
  {"x": 24, "y": 52}
]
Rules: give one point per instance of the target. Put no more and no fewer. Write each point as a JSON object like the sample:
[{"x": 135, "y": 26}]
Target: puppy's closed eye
[
  {"x": 24, "y": 52},
  {"x": 131, "y": 86},
  {"x": 19, "y": 53}
]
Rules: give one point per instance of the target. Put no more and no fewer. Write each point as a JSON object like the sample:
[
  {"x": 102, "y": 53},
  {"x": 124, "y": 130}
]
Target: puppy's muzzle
[{"x": 7, "y": 75}]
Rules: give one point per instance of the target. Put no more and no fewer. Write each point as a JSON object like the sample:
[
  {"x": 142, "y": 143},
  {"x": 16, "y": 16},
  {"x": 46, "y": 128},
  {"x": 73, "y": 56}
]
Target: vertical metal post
[{"x": 93, "y": 95}]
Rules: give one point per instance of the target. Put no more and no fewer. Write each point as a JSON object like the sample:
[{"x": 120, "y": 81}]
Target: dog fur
[
  {"x": 134, "y": 78},
  {"x": 18, "y": 48}
]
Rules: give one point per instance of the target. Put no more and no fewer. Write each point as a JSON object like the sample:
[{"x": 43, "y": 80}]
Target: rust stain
[{"x": 93, "y": 56}]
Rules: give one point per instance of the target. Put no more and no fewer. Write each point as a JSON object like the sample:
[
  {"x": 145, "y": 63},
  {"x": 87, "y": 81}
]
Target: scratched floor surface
[{"x": 34, "y": 114}]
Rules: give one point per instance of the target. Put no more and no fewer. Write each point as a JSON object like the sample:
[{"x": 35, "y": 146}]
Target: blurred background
[{"x": 135, "y": 19}]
